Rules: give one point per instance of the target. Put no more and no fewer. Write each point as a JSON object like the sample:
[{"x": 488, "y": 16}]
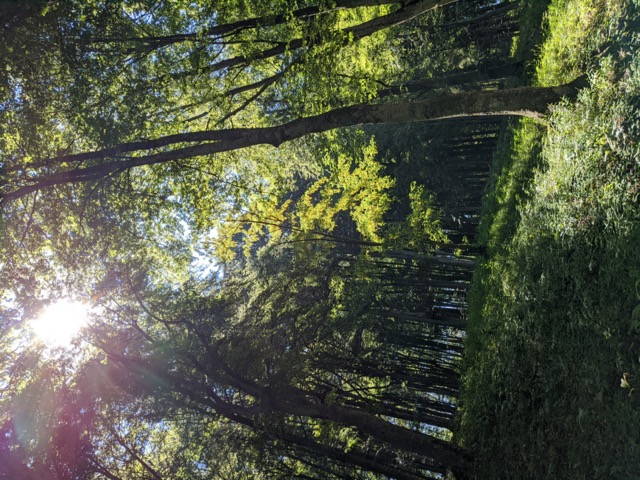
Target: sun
[{"x": 60, "y": 322}]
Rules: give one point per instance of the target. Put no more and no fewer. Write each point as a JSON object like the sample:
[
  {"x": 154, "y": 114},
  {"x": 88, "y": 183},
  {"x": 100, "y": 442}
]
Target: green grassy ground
[{"x": 551, "y": 330}]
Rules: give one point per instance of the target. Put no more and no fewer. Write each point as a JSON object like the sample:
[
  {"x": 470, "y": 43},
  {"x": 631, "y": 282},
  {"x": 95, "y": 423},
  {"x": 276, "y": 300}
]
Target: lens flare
[{"x": 60, "y": 322}]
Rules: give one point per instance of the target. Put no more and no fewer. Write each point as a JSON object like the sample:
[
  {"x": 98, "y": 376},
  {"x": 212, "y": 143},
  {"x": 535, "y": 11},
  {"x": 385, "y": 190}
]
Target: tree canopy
[{"x": 269, "y": 298}]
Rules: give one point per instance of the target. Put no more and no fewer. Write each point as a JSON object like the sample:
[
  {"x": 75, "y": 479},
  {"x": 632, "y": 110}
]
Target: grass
[
  {"x": 529, "y": 35},
  {"x": 551, "y": 335}
]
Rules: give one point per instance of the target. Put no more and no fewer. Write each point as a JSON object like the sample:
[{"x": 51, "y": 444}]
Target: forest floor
[{"x": 551, "y": 385}]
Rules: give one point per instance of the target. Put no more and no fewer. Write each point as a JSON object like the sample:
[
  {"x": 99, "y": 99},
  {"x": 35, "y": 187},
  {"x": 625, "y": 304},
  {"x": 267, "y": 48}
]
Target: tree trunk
[
  {"x": 226, "y": 29},
  {"x": 408, "y": 12},
  {"x": 524, "y": 101},
  {"x": 349, "y": 457},
  {"x": 438, "y": 451},
  {"x": 474, "y": 75}
]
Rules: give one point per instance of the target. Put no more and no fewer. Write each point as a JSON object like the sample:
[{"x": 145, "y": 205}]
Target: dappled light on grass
[{"x": 59, "y": 323}]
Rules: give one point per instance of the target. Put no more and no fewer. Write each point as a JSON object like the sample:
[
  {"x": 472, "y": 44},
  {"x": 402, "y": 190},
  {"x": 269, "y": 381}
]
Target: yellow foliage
[{"x": 354, "y": 186}]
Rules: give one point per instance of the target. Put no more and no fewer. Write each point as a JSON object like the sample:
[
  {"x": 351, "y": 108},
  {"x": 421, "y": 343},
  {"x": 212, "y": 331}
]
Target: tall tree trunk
[
  {"x": 409, "y": 11},
  {"x": 453, "y": 79},
  {"x": 524, "y": 101},
  {"x": 440, "y": 452},
  {"x": 349, "y": 457},
  {"x": 232, "y": 28}
]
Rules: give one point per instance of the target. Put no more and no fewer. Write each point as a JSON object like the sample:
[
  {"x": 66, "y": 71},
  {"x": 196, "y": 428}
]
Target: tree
[
  {"x": 257, "y": 354},
  {"x": 330, "y": 349},
  {"x": 524, "y": 101},
  {"x": 41, "y": 171}
]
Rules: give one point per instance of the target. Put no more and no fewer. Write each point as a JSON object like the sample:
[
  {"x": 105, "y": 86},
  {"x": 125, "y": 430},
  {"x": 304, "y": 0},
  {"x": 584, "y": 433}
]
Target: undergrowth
[{"x": 552, "y": 372}]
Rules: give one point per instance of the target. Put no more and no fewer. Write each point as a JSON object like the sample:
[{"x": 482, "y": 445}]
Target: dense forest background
[{"x": 353, "y": 240}]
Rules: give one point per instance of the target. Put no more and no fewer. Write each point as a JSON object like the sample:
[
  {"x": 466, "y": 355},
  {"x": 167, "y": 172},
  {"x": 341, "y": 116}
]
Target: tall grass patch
[
  {"x": 578, "y": 31},
  {"x": 515, "y": 159}
]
